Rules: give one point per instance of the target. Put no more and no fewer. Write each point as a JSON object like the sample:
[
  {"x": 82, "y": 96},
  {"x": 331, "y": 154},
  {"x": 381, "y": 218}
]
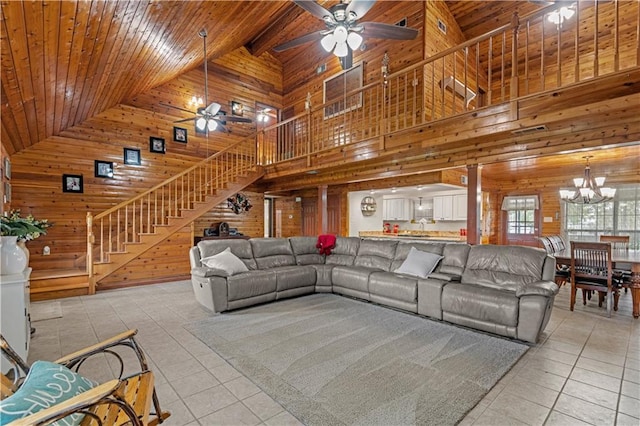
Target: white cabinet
[
  {"x": 460, "y": 207},
  {"x": 396, "y": 209},
  {"x": 450, "y": 207},
  {"x": 15, "y": 321}
]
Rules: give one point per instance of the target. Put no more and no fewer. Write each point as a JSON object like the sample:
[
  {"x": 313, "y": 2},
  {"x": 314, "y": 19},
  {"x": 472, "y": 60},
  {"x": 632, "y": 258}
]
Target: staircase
[{"x": 124, "y": 232}]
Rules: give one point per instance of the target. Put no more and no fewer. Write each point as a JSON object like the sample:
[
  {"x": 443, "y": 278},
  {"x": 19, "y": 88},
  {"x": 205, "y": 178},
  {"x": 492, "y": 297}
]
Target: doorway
[{"x": 521, "y": 220}]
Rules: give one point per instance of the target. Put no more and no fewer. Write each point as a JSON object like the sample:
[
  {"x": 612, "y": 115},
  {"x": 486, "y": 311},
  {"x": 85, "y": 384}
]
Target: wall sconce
[{"x": 196, "y": 102}]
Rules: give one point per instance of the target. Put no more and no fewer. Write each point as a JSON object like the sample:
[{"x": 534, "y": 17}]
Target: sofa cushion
[
  {"x": 403, "y": 249},
  {"x": 419, "y": 263},
  {"x": 288, "y": 277},
  {"x": 352, "y": 277},
  {"x": 305, "y": 251},
  {"x": 376, "y": 254},
  {"x": 394, "y": 286},
  {"x": 226, "y": 262},
  {"x": 272, "y": 252},
  {"x": 241, "y": 248},
  {"x": 345, "y": 251},
  {"x": 250, "y": 284},
  {"x": 454, "y": 260},
  {"x": 45, "y": 385},
  {"x": 504, "y": 267},
  {"x": 481, "y": 303}
]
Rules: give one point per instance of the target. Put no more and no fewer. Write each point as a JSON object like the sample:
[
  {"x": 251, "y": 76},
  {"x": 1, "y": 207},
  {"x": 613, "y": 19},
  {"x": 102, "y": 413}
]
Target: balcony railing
[{"x": 526, "y": 57}]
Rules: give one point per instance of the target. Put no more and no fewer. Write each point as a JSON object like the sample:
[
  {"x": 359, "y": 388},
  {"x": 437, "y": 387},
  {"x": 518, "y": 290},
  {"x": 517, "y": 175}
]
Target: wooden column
[
  {"x": 322, "y": 209},
  {"x": 474, "y": 197}
]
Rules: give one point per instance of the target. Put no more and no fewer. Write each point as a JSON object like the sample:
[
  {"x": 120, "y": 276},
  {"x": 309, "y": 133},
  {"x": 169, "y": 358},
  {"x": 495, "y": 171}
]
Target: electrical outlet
[{"x": 46, "y": 251}]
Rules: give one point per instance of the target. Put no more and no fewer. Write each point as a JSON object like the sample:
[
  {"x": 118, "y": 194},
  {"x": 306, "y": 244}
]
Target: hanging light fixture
[
  {"x": 562, "y": 14},
  {"x": 420, "y": 207},
  {"x": 589, "y": 190}
]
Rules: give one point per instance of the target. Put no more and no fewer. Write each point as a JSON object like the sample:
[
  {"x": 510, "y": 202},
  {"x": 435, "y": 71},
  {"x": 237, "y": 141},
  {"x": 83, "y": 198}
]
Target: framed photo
[
  {"x": 7, "y": 168},
  {"x": 103, "y": 169},
  {"x": 132, "y": 156},
  {"x": 180, "y": 134},
  {"x": 72, "y": 183},
  {"x": 7, "y": 192},
  {"x": 156, "y": 145},
  {"x": 237, "y": 108}
]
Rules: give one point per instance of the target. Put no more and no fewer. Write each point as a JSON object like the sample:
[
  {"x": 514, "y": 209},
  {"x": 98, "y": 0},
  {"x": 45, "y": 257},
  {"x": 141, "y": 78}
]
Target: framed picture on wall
[
  {"x": 7, "y": 168},
  {"x": 156, "y": 145},
  {"x": 103, "y": 169},
  {"x": 237, "y": 108},
  {"x": 180, "y": 134},
  {"x": 7, "y": 192},
  {"x": 72, "y": 183},
  {"x": 132, "y": 156}
]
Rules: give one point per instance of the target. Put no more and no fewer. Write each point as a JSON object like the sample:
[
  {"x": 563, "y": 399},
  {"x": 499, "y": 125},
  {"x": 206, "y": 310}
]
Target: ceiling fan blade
[
  {"x": 231, "y": 118},
  {"x": 313, "y": 8},
  {"x": 176, "y": 107},
  {"x": 185, "y": 120},
  {"x": 221, "y": 126},
  {"x": 360, "y": 7},
  {"x": 394, "y": 32},
  {"x": 316, "y": 35},
  {"x": 212, "y": 108}
]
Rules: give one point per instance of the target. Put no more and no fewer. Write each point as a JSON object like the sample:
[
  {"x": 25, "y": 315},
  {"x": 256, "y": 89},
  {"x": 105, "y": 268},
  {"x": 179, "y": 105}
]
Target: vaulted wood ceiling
[{"x": 65, "y": 62}]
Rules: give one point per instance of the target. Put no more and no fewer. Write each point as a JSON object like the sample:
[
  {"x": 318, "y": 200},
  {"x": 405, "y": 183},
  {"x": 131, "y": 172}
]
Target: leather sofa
[{"x": 505, "y": 290}]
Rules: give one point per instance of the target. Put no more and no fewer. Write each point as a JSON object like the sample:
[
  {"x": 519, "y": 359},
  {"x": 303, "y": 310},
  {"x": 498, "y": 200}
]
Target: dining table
[{"x": 618, "y": 258}]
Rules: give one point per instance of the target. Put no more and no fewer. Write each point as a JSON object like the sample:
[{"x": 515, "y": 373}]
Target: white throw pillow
[
  {"x": 419, "y": 263},
  {"x": 225, "y": 261}
]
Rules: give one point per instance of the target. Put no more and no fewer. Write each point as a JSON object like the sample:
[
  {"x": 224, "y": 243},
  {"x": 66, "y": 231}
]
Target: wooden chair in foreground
[
  {"x": 123, "y": 400},
  {"x": 591, "y": 271}
]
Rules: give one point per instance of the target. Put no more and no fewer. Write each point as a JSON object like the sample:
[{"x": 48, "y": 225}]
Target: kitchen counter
[{"x": 416, "y": 235}]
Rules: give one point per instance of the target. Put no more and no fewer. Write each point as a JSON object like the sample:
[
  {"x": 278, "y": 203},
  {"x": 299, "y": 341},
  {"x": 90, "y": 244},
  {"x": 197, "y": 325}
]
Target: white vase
[
  {"x": 13, "y": 260},
  {"x": 23, "y": 246}
]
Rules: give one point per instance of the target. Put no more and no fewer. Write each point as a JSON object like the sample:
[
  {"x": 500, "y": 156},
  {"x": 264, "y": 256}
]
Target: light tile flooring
[{"x": 585, "y": 370}]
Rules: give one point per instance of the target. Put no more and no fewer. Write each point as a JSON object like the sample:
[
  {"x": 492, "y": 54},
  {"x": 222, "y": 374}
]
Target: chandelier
[{"x": 589, "y": 190}]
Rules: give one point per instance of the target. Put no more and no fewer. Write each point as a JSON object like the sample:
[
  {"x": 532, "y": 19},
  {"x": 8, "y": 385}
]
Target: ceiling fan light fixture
[
  {"x": 328, "y": 42},
  {"x": 201, "y": 123},
  {"x": 211, "y": 125},
  {"x": 341, "y": 50},
  {"x": 340, "y": 34},
  {"x": 354, "y": 40}
]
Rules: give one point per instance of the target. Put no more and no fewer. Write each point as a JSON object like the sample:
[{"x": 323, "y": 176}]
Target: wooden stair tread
[{"x": 45, "y": 274}]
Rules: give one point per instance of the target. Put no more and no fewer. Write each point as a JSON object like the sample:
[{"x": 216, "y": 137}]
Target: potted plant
[{"x": 14, "y": 229}]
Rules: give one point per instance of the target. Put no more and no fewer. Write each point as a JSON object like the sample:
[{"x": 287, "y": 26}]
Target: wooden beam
[
  {"x": 322, "y": 210},
  {"x": 474, "y": 191},
  {"x": 273, "y": 34}
]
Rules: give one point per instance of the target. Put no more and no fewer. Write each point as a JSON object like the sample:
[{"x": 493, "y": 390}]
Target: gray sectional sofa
[{"x": 506, "y": 290}]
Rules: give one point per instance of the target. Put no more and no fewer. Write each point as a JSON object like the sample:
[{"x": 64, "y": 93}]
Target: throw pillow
[
  {"x": 419, "y": 263},
  {"x": 225, "y": 261},
  {"x": 46, "y": 384}
]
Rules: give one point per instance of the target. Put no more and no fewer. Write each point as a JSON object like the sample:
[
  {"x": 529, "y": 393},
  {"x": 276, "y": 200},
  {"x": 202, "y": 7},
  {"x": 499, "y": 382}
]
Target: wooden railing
[
  {"x": 109, "y": 231},
  {"x": 526, "y": 57}
]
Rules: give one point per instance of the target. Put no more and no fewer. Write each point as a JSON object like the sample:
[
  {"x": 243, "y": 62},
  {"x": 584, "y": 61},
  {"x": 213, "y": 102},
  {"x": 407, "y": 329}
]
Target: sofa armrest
[
  {"x": 538, "y": 288},
  {"x": 444, "y": 277},
  {"x": 204, "y": 272}
]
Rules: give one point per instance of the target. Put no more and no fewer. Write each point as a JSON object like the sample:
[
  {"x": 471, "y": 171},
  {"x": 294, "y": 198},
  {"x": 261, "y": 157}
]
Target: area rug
[
  {"x": 45, "y": 311},
  {"x": 331, "y": 360}
]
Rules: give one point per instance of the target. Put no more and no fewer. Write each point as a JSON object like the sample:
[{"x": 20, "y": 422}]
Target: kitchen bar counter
[{"x": 415, "y": 235}]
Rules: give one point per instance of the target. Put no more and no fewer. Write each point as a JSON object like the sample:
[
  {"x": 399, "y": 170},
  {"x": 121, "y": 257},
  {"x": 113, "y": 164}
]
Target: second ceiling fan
[{"x": 344, "y": 33}]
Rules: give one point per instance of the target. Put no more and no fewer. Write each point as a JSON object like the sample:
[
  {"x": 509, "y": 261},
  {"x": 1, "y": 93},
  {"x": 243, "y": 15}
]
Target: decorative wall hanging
[
  {"x": 103, "y": 169},
  {"x": 132, "y": 156},
  {"x": 72, "y": 183},
  {"x": 239, "y": 203},
  {"x": 156, "y": 145},
  {"x": 368, "y": 206},
  {"x": 180, "y": 134},
  {"x": 237, "y": 108}
]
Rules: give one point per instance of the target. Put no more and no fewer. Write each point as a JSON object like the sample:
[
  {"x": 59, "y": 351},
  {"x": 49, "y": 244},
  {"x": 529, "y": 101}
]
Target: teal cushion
[{"x": 47, "y": 384}]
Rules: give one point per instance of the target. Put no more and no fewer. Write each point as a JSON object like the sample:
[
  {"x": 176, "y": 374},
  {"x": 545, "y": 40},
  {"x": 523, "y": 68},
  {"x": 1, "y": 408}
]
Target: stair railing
[{"x": 109, "y": 231}]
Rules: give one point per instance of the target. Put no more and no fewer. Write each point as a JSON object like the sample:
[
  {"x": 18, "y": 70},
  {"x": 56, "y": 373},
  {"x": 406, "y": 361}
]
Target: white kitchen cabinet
[
  {"x": 450, "y": 207},
  {"x": 15, "y": 320},
  {"x": 460, "y": 207},
  {"x": 397, "y": 209}
]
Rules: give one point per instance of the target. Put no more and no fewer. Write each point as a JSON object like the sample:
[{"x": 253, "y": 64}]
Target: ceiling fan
[
  {"x": 344, "y": 33},
  {"x": 210, "y": 117}
]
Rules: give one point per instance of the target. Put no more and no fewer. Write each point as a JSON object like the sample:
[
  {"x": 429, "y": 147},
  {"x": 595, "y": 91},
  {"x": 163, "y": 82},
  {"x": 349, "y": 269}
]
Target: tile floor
[{"x": 585, "y": 370}]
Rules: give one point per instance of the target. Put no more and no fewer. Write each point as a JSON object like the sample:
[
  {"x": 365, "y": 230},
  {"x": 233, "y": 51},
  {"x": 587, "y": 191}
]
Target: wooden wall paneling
[
  {"x": 291, "y": 212},
  {"x": 249, "y": 223}
]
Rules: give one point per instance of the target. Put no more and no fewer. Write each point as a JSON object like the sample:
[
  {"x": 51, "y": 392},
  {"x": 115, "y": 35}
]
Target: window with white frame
[
  {"x": 521, "y": 214},
  {"x": 620, "y": 216}
]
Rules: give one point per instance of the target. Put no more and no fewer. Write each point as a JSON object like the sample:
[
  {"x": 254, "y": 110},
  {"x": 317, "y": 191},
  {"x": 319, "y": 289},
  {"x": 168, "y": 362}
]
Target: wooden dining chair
[
  {"x": 591, "y": 270},
  {"x": 619, "y": 243},
  {"x": 130, "y": 400},
  {"x": 554, "y": 244}
]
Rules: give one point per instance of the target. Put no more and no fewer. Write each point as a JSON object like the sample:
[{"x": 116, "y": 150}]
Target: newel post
[
  {"x": 515, "y": 23},
  {"x": 90, "y": 242},
  {"x": 307, "y": 107}
]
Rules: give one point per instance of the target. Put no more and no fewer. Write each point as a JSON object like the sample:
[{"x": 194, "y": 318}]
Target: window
[
  {"x": 521, "y": 214},
  {"x": 336, "y": 87},
  {"x": 621, "y": 216}
]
